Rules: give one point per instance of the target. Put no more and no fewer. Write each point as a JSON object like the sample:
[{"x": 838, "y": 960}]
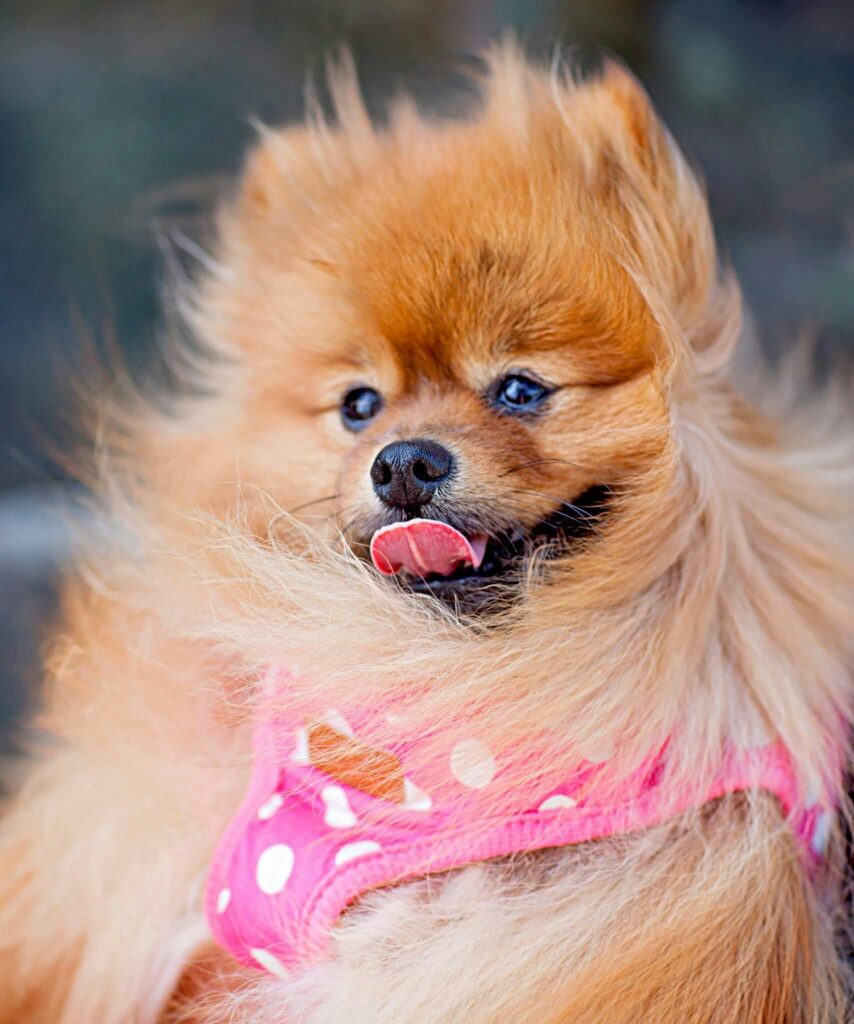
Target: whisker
[
  {"x": 560, "y": 502},
  {"x": 583, "y": 512},
  {"x": 286, "y": 513},
  {"x": 539, "y": 462},
  {"x": 345, "y": 529},
  {"x": 308, "y": 504}
]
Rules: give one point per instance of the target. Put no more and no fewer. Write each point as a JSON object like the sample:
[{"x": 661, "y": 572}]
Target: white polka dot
[
  {"x": 415, "y": 799},
  {"x": 556, "y": 803},
  {"x": 598, "y": 751},
  {"x": 301, "y": 753},
  {"x": 223, "y": 900},
  {"x": 274, "y": 868},
  {"x": 755, "y": 733},
  {"x": 339, "y": 723},
  {"x": 338, "y": 812},
  {"x": 353, "y": 850},
  {"x": 271, "y": 680},
  {"x": 269, "y": 807},
  {"x": 265, "y": 959},
  {"x": 472, "y": 764},
  {"x": 821, "y": 834},
  {"x": 762, "y": 734},
  {"x": 813, "y": 792}
]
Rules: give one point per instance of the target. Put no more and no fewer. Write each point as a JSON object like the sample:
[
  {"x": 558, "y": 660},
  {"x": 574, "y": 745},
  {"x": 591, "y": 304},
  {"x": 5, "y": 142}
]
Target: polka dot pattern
[
  {"x": 472, "y": 764},
  {"x": 822, "y": 833},
  {"x": 415, "y": 799},
  {"x": 813, "y": 793},
  {"x": 274, "y": 868},
  {"x": 339, "y": 723},
  {"x": 598, "y": 751},
  {"x": 557, "y": 802},
  {"x": 306, "y": 844},
  {"x": 264, "y": 958},
  {"x": 337, "y": 810},
  {"x": 270, "y": 806},
  {"x": 352, "y": 851},
  {"x": 301, "y": 753}
]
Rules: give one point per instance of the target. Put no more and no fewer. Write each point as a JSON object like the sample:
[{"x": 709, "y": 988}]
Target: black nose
[{"x": 406, "y": 474}]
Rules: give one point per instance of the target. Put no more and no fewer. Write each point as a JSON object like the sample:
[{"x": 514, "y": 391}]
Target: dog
[{"x": 462, "y": 453}]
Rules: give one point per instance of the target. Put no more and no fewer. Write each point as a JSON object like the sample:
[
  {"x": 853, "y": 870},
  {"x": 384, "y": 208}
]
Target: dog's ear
[
  {"x": 293, "y": 166},
  {"x": 663, "y": 210},
  {"x": 275, "y": 159},
  {"x": 278, "y": 176},
  {"x": 630, "y": 118}
]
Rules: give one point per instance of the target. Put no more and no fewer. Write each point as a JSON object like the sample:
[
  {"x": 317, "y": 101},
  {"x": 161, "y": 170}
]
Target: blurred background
[{"x": 120, "y": 116}]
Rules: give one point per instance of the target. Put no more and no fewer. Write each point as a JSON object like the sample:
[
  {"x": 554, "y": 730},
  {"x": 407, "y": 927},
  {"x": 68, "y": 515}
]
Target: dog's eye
[
  {"x": 517, "y": 393},
  {"x": 359, "y": 406}
]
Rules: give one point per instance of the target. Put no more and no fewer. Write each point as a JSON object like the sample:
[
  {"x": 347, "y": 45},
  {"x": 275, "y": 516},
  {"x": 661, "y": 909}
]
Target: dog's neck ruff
[{"x": 304, "y": 844}]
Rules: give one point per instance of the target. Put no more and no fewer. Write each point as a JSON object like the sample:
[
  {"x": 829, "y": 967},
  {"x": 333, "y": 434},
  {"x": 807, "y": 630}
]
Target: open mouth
[{"x": 482, "y": 572}]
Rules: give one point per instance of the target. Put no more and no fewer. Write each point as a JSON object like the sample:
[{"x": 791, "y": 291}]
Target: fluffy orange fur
[{"x": 557, "y": 228}]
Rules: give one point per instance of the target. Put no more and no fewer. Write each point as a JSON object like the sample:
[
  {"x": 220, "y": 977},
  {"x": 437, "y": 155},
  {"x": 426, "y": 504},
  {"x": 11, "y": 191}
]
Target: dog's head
[{"x": 474, "y": 322}]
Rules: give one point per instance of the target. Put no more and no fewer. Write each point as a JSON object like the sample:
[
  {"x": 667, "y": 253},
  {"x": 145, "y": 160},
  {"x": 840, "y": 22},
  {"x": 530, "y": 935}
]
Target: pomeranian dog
[{"x": 525, "y": 624}]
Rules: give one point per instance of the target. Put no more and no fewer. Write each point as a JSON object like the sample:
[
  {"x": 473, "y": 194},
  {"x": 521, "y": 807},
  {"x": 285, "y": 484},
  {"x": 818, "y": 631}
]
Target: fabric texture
[{"x": 306, "y": 844}]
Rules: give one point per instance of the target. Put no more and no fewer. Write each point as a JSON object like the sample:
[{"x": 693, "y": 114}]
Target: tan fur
[{"x": 557, "y": 229}]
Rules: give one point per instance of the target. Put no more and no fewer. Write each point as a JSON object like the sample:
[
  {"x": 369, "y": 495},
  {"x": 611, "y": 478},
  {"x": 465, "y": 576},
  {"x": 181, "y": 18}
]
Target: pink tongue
[{"x": 424, "y": 547}]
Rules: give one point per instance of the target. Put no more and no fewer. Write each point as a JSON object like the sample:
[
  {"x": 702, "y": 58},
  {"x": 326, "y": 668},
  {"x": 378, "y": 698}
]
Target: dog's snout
[{"x": 406, "y": 474}]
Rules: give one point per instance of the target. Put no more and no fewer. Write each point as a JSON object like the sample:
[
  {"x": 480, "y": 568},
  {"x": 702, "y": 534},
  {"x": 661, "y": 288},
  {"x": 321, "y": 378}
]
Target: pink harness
[{"x": 304, "y": 846}]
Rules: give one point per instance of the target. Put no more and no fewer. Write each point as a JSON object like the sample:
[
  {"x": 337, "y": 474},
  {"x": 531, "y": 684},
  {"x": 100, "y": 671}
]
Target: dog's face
[
  {"x": 475, "y": 396},
  {"x": 445, "y": 323}
]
